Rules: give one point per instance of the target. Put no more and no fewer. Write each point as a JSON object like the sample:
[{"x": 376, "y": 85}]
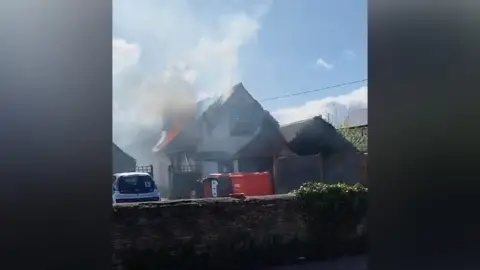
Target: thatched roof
[
  {"x": 118, "y": 151},
  {"x": 290, "y": 131},
  {"x": 239, "y": 102},
  {"x": 315, "y": 136}
]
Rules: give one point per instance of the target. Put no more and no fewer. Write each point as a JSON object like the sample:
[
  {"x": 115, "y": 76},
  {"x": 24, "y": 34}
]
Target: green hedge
[{"x": 334, "y": 214}]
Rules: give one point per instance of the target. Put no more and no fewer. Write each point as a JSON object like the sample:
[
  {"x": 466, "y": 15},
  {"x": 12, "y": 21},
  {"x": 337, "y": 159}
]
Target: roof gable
[
  {"x": 317, "y": 136},
  {"x": 290, "y": 131},
  {"x": 267, "y": 141},
  {"x": 118, "y": 151},
  {"x": 217, "y": 120},
  {"x": 209, "y": 113}
]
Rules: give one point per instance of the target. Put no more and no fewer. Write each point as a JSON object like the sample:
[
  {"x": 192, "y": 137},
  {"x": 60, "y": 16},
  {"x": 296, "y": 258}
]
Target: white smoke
[
  {"x": 172, "y": 58},
  {"x": 335, "y": 109},
  {"x": 125, "y": 55}
]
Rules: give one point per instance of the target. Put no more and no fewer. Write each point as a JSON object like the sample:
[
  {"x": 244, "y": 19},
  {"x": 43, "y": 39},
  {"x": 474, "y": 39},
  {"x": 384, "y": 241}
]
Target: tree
[{"x": 355, "y": 136}]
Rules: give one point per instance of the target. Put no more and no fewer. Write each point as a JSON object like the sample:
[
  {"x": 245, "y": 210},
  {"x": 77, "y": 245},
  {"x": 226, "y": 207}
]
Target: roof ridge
[
  {"x": 298, "y": 122},
  {"x": 121, "y": 150}
]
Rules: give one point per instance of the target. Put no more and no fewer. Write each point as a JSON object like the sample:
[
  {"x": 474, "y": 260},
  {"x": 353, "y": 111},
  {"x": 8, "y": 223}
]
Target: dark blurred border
[
  {"x": 424, "y": 147},
  {"x": 55, "y": 135}
]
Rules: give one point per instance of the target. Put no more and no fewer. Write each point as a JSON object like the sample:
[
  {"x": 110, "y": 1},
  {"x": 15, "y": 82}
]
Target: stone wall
[{"x": 216, "y": 234}]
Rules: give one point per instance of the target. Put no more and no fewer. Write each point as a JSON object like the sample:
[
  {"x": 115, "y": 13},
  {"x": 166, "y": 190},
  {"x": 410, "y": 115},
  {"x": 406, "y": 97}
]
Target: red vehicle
[{"x": 228, "y": 184}]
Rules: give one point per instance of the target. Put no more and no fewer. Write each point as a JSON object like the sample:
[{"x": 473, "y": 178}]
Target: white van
[{"x": 131, "y": 187}]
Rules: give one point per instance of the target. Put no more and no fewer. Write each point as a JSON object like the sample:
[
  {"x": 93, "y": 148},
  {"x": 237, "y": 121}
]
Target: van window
[{"x": 136, "y": 184}]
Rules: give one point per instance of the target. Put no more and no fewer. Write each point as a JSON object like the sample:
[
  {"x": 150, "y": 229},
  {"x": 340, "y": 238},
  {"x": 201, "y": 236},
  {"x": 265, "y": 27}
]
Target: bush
[{"x": 333, "y": 213}]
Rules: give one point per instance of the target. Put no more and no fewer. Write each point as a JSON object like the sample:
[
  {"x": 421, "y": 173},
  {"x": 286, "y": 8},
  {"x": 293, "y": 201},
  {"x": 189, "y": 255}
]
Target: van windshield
[{"x": 135, "y": 184}]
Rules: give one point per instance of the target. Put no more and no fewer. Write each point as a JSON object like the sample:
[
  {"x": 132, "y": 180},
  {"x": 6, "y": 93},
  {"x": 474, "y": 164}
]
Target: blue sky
[{"x": 166, "y": 49}]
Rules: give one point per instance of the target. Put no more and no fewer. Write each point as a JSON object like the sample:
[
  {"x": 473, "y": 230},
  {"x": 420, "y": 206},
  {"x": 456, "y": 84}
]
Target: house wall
[
  {"x": 225, "y": 166},
  {"x": 208, "y": 167},
  {"x": 235, "y": 166},
  {"x": 160, "y": 171},
  {"x": 292, "y": 171},
  {"x": 183, "y": 172},
  {"x": 255, "y": 164},
  {"x": 182, "y": 184},
  {"x": 185, "y": 161},
  {"x": 250, "y": 164},
  {"x": 220, "y": 140},
  {"x": 343, "y": 167}
]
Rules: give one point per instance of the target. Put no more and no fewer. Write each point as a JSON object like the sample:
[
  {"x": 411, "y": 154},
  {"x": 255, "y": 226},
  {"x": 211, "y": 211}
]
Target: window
[
  {"x": 225, "y": 167},
  {"x": 135, "y": 184},
  {"x": 244, "y": 121},
  {"x": 243, "y": 129}
]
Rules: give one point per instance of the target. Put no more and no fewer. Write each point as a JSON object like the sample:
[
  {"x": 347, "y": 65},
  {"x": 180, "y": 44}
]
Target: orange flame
[
  {"x": 179, "y": 121},
  {"x": 173, "y": 133}
]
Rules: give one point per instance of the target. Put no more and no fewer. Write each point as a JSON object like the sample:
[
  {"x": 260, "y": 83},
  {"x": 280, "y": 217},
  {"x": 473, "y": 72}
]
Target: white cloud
[
  {"x": 124, "y": 54},
  {"x": 332, "y": 108},
  {"x": 349, "y": 54},
  {"x": 196, "y": 57},
  {"x": 324, "y": 64}
]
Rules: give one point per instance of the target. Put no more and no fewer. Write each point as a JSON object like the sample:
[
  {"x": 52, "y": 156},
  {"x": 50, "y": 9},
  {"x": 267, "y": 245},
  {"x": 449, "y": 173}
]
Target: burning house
[
  {"x": 233, "y": 133},
  {"x": 230, "y": 134}
]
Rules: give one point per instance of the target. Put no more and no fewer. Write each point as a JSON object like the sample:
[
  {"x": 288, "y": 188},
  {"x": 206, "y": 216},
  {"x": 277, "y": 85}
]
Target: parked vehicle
[
  {"x": 134, "y": 187},
  {"x": 231, "y": 184}
]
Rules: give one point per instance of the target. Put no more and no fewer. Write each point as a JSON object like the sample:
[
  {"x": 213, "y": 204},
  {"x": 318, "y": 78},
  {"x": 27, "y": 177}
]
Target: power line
[{"x": 314, "y": 90}]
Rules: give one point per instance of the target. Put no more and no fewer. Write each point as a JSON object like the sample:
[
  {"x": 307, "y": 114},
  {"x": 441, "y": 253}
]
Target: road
[{"x": 348, "y": 263}]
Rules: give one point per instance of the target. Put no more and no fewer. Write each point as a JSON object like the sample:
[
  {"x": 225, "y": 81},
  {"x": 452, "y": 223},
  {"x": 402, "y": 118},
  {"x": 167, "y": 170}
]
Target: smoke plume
[{"x": 169, "y": 54}]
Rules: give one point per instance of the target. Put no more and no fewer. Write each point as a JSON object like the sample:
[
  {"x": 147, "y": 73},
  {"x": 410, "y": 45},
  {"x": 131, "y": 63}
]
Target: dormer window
[
  {"x": 244, "y": 121},
  {"x": 243, "y": 129}
]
